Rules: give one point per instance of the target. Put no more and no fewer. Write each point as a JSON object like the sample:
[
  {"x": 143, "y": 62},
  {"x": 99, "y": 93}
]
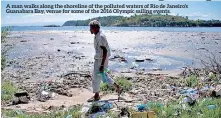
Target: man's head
[{"x": 94, "y": 26}]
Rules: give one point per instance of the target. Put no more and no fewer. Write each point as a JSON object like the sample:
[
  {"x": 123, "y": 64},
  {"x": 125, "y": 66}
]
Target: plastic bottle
[
  {"x": 211, "y": 106},
  {"x": 103, "y": 75}
]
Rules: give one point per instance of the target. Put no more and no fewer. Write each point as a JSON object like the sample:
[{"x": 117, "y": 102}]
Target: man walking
[{"x": 102, "y": 53}]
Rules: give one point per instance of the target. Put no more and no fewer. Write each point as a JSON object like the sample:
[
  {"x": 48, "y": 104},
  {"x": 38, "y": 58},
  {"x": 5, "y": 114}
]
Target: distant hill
[
  {"x": 145, "y": 20},
  {"x": 105, "y": 21}
]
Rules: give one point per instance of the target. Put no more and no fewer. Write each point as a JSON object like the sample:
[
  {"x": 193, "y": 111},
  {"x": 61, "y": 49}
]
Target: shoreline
[
  {"x": 115, "y": 28},
  {"x": 157, "y": 52},
  {"x": 42, "y": 56}
]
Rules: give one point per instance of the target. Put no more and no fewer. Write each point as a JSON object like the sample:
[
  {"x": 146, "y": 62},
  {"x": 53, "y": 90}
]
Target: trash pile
[
  {"x": 103, "y": 108},
  {"x": 45, "y": 93},
  {"x": 143, "y": 103},
  {"x": 100, "y": 108}
]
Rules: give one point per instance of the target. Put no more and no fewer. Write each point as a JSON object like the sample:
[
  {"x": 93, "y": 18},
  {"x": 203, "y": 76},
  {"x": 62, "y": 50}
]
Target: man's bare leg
[
  {"x": 96, "y": 96},
  {"x": 118, "y": 89}
]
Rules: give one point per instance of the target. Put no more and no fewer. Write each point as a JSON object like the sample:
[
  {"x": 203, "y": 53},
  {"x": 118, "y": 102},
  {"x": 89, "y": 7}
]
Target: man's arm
[{"x": 103, "y": 57}]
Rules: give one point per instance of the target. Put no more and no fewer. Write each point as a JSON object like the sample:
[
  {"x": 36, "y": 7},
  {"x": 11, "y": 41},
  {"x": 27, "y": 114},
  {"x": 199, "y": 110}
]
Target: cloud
[
  {"x": 173, "y": 14},
  {"x": 199, "y": 15}
]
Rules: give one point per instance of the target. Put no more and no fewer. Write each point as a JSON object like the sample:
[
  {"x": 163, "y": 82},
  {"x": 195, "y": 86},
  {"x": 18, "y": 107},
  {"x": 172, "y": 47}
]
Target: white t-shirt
[{"x": 100, "y": 40}]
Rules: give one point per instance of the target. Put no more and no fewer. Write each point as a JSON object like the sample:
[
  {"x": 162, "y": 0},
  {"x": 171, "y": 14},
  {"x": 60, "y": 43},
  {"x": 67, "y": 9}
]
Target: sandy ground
[{"x": 47, "y": 55}]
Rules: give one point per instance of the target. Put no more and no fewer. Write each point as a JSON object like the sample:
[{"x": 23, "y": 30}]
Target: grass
[
  {"x": 192, "y": 81},
  {"x": 109, "y": 114},
  {"x": 3, "y": 61},
  {"x": 8, "y": 90},
  {"x": 199, "y": 110},
  {"x": 121, "y": 81},
  {"x": 73, "y": 112},
  {"x": 171, "y": 110},
  {"x": 4, "y": 33}
]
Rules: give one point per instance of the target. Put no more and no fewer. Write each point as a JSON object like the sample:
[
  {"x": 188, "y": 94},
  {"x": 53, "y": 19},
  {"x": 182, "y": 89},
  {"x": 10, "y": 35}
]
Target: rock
[
  {"x": 20, "y": 100},
  {"x": 74, "y": 42},
  {"x": 123, "y": 60},
  {"x": 20, "y": 94},
  {"x": 148, "y": 59},
  {"x": 51, "y": 38},
  {"x": 139, "y": 60},
  {"x": 116, "y": 56},
  {"x": 202, "y": 49},
  {"x": 58, "y": 50},
  {"x": 218, "y": 90},
  {"x": 66, "y": 87},
  {"x": 24, "y": 99},
  {"x": 213, "y": 94},
  {"x": 129, "y": 78},
  {"x": 15, "y": 101},
  {"x": 69, "y": 95},
  {"x": 157, "y": 69},
  {"x": 23, "y": 41},
  {"x": 64, "y": 92},
  {"x": 124, "y": 113},
  {"x": 27, "y": 78},
  {"x": 164, "y": 86}
]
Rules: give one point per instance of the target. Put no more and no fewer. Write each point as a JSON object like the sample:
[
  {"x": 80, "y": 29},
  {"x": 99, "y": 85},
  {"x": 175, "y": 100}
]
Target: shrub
[
  {"x": 121, "y": 81},
  {"x": 8, "y": 90},
  {"x": 191, "y": 81},
  {"x": 3, "y": 62}
]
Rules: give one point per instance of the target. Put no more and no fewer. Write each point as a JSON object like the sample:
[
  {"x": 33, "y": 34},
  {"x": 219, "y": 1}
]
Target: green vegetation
[
  {"x": 105, "y": 21},
  {"x": 110, "y": 114},
  {"x": 7, "y": 88},
  {"x": 200, "y": 109},
  {"x": 121, "y": 81},
  {"x": 8, "y": 91},
  {"x": 191, "y": 81},
  {"x": 4, "y": 34},
  {"x": 171, "y": 110},
  {"x": 145, "y": 20},
  {"x": 3, "y": 61},
  {"x": 73, "y": 112}
]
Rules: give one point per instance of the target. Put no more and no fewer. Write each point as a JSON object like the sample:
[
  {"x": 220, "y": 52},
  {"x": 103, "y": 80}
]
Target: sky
[{"x": 196, "y": 10}]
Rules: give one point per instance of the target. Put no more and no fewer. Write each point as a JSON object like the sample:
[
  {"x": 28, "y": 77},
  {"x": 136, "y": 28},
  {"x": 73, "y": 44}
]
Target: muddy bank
[
  {"x": 148, "y": 59},
  {"x": 48, "y": 54}
]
